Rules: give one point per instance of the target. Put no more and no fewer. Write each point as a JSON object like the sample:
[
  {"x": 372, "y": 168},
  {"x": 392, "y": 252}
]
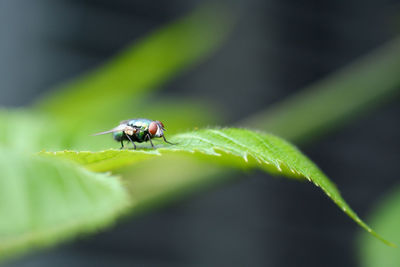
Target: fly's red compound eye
[{"x": 153, "y": 128}]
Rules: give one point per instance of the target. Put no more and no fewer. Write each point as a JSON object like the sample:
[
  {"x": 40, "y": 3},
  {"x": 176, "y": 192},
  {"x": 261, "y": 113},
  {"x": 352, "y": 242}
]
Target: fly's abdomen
[
  {"x": 137, "y": 137},
  {"x": 118, "y": 136}
]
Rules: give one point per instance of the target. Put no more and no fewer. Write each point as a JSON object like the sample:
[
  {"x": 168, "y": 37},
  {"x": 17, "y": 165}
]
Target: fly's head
[{"x": 156, "y": 129}]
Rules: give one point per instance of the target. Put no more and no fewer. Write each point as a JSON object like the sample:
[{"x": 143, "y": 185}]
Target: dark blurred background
[{"x": 276, "y": 48}]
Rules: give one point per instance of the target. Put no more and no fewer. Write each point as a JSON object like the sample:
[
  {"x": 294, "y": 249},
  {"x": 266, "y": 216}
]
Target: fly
[{"x": 137, "y": 130}]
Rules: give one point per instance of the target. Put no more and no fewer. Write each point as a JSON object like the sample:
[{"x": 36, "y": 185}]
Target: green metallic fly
[{"x": 137, "y": 130}]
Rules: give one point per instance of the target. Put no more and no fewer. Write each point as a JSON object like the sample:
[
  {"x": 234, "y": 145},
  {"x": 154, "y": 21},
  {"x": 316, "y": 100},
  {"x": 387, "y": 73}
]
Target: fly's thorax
[
  {"x": 142, "y": 124},
  {"x": 130, "y": 130},
  {"x": 141, "y": 136}
]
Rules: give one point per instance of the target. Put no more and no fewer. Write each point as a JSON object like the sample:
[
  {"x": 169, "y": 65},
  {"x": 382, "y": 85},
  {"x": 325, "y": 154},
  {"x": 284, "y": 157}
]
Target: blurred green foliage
[
  {"x": 122, "y": 87},
  {"x": 385, "y": 218},
  {"x": 43, "y": 201},
  {"x": 338, "y": 99}
]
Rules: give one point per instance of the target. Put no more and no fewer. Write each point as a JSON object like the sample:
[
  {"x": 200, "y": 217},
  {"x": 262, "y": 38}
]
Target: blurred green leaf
[
  {"x": 44, "y": 200},
  {"x": 159, "y": 181},
  {"x": 385, "y": 218},
  {"x": 338, "y": 99},
  {"x": 228, "y": 146},
  {"x": 149, "y": 63},
  {"x": 28, "y": 131}
]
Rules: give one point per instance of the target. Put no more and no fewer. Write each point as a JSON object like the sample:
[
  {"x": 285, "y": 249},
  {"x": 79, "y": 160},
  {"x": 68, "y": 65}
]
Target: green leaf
[
  {"x": 28, "y": 131},
  {"x": 385, "y": 218},
  {"x": 235, "y": 147},
  {"x": 161, "y": 180},
  {"x": 45, "y": 200}
]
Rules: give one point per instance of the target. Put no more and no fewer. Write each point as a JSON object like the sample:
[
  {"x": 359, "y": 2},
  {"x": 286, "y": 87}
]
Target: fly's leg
[
  {"x": 122, "y": 144},
  {"x": 167, "y": 141},
  {"x": 148, "y": 138},
  {"x": 134, "y": 146}
]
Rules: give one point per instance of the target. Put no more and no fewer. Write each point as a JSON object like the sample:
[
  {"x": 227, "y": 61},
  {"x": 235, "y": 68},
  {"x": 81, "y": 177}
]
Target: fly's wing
[
  {"x": 119, "y": 128},
  {"x": 124, "y": 122}
]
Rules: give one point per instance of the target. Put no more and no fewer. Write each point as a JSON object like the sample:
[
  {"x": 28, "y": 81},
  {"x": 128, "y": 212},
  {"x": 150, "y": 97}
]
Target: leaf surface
[
  {"x": 230, "y": 146},
  {"x": 45, "y": 200}
]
